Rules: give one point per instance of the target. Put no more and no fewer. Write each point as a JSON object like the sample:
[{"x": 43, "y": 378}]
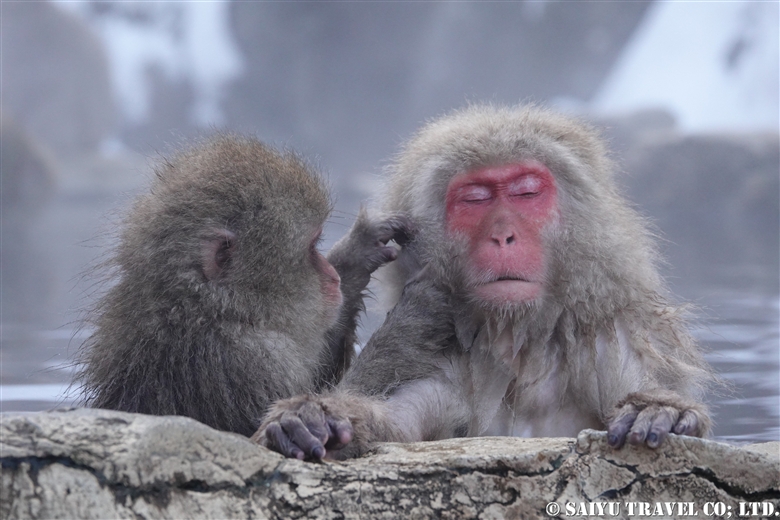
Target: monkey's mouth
[
  {"x": 509, "y": 289},
  {"x": 510, "y": 279}
]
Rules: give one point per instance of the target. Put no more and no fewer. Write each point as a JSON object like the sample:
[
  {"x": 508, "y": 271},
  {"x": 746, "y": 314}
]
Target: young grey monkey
[
  {"x": 223, "y": 303},
  {"x": 541, "y": 311}
]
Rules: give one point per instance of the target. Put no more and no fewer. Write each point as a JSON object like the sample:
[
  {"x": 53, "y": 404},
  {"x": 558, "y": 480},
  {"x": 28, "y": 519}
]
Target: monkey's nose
[{"x": 504, "y": 239}]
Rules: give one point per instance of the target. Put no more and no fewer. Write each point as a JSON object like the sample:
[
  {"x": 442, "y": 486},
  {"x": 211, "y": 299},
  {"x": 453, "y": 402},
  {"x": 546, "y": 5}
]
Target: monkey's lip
[
  {"x": 510, "y": 279},
  {"x": 509, "y": 289}
]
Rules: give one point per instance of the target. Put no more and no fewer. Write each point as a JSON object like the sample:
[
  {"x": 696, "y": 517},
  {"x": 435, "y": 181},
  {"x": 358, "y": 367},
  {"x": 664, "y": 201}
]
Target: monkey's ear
[{"x": 217, "y": 252}]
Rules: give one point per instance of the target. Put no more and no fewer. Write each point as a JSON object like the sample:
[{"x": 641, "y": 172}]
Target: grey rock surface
[{"x": 100, "y": 464}]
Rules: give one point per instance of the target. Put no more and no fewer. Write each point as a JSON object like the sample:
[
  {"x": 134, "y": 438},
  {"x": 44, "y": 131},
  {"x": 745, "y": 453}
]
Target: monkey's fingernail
[
  {"x": 682, "y": 429},
  {"x": 345, "y": 437},
  {"x": 318, "y": 452},
  {"x": 652, "y": 440},
  {"x": 612, "y": 439},
  {"x": 298, "y": 454}
]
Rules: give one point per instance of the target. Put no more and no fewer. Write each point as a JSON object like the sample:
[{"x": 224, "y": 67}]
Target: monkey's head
[
  {"x": 518, "y": 207},
  {"x": 232, "y": 226}
]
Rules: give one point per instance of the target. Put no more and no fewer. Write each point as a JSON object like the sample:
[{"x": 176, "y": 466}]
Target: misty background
[{"x": 687, "y": 93}]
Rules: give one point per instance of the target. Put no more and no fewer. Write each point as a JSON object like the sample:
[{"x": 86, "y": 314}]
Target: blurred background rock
[{"x": 687, "y": 93}]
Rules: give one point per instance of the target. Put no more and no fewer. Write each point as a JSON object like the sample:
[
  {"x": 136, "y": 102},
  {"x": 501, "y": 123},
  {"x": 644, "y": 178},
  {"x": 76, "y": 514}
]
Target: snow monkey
[
  {"x": 223, "y": 303},
  {"x": 539, "y": 310}
]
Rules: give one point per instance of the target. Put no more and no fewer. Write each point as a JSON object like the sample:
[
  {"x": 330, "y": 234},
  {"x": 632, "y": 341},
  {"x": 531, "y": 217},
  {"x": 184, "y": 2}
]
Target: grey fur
[
  {"x": 604, "y": 260},
  {"x": 604, "y": 336},
  {"x": 185, "y": 331}
]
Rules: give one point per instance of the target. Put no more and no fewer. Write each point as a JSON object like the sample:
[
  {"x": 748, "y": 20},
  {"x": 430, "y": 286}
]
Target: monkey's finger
[
  {"x": 688, "y": 424},
  {"x": 388, "y": 254},
  {"x": 312, "y": 416},
  {"x": 276, "y": 439},
  {"x": 341, "y": 433},
  {"x": 384, "y": 233},
  {"x": 300, "y": 435},
  {"x": 620, "y": 425},
  {"x": 380, "y": 256},
  {"x": 661, "y": 426},
  {"x": 402, "y": 230},
  {"x": 641, "y": 427}
]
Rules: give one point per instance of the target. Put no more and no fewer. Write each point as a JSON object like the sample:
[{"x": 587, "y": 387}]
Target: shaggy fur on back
[{"x": 168, "y": 338}]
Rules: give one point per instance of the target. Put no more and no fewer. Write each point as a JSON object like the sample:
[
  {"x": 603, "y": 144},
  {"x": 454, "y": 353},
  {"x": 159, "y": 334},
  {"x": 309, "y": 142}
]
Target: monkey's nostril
[{"x": 503, "y": 239}]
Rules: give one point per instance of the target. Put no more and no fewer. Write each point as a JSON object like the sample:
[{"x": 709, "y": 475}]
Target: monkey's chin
[{"x": 508, "y": 292}]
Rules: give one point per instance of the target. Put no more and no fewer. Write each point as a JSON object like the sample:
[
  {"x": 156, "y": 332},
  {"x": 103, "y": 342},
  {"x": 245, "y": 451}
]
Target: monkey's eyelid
[
  {"x": 474, "y": 197},
  {"x": 526, "y": 184},
  {"x": 473, "y": 191}
]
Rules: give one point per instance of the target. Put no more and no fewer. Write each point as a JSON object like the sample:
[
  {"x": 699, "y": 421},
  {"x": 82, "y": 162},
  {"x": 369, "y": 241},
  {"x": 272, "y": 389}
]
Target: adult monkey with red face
[{"x": 539, "y": 311}]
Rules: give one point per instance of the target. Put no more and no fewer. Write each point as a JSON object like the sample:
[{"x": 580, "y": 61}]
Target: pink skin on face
[
  {"x": 330, "y": 281},
  {"x": 503, "y": 210}
]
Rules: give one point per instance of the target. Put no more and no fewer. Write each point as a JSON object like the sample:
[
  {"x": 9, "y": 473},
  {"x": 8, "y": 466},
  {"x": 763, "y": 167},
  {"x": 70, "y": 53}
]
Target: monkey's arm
[
  {"x": 402, "y": 388},
  {"x": 669, "y": 376},
  {"x": 355, "y": 257}
]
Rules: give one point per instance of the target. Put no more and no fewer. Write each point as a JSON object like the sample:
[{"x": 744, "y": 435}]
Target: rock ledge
[{"x": 100, "y": 464}]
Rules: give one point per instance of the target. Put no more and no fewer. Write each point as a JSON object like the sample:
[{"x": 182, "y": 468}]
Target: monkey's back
[{"x": 210, "y": 277}]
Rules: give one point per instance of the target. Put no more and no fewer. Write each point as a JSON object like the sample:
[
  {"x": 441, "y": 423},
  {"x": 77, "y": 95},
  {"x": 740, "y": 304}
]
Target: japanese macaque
[
  {"x": 222, "y": 302},
  {"x": 530, "y": 303}
]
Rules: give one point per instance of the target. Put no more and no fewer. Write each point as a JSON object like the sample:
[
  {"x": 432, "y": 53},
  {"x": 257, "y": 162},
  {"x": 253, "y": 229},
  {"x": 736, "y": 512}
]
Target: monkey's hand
[
  {"x": 365, "y": 248},
  {"x": 308, "y": 427},
  {"x": 647, "y": 418},
  {"x": 355, "y": 257}
]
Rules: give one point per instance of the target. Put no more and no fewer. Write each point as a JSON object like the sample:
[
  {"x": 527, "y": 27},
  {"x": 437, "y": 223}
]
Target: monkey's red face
[
  {"x": 502, "y": 211},
  {"x": 330, "y": 282}
]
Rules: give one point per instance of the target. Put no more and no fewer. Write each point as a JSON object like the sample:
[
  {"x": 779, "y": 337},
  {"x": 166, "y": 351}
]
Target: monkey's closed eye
[
  {"x": 474, "y": 194},
  {"x": 526, "y": 195},
  {"x": 527, "y": 186}
]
